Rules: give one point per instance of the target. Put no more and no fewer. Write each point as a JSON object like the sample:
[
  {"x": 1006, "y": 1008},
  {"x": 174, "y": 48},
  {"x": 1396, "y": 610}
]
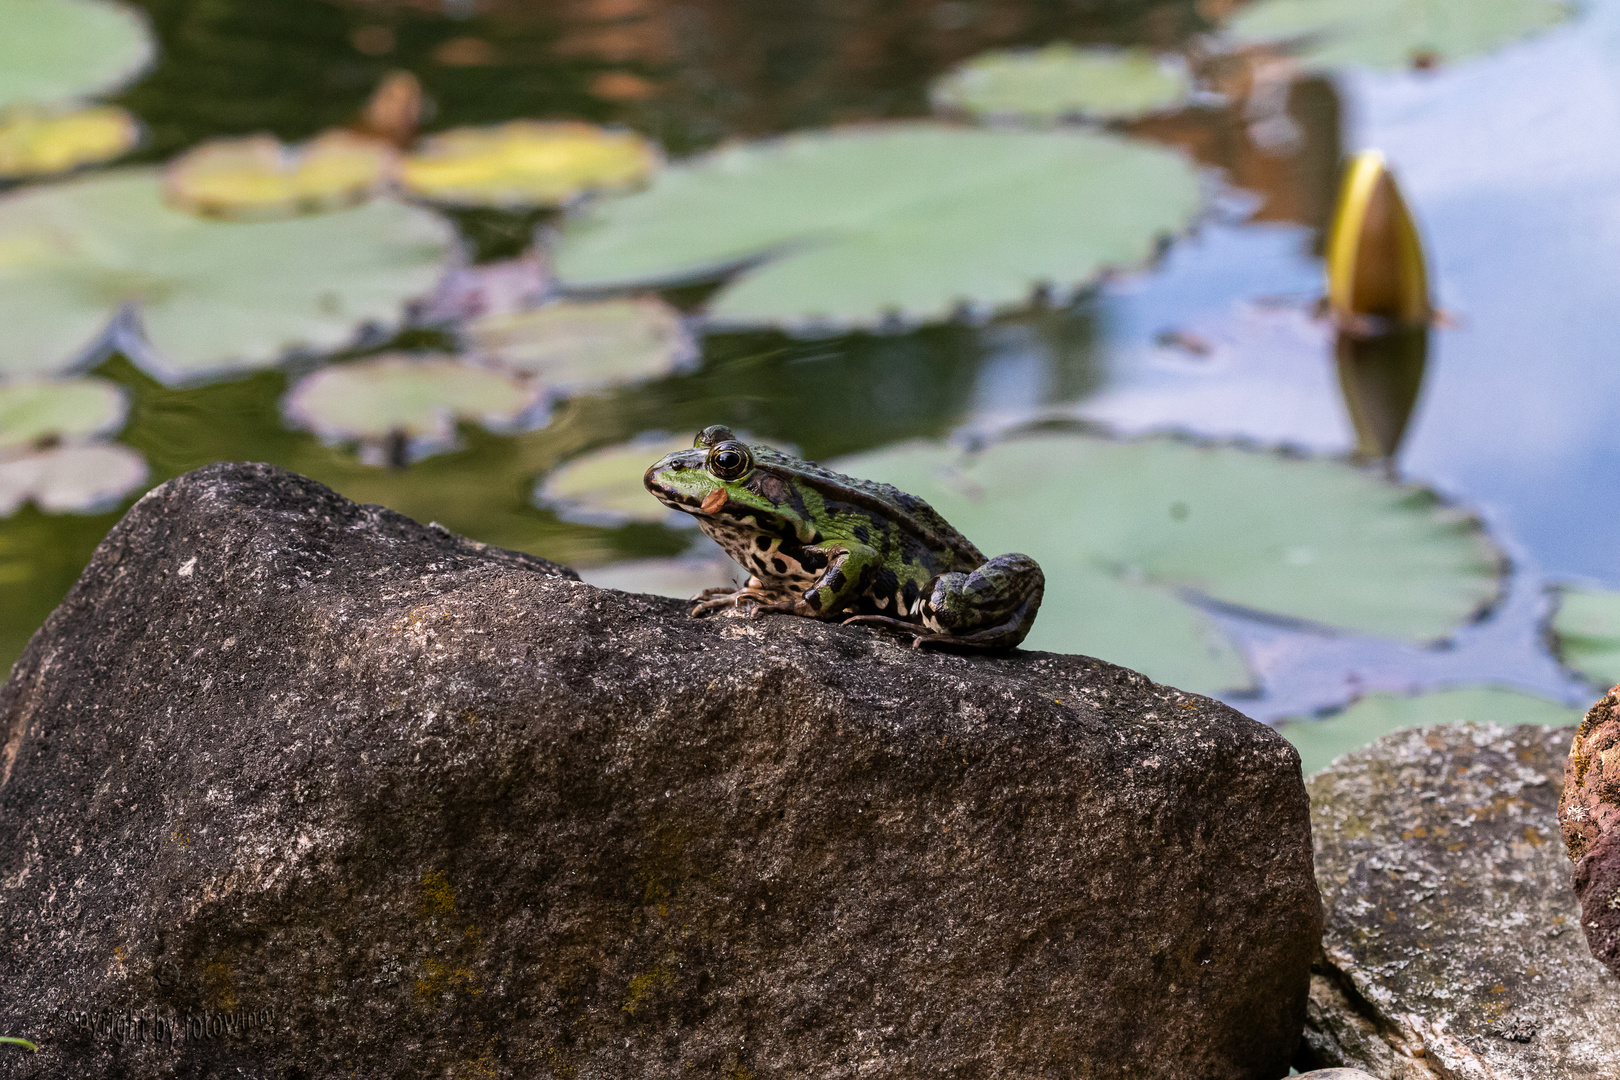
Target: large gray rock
[
  {"x": 297, "y": 788},
  {"x": 1453, "y": 947}
]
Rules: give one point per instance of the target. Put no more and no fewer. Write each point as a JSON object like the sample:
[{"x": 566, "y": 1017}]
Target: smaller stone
[{"x": 1588, "y": 814}]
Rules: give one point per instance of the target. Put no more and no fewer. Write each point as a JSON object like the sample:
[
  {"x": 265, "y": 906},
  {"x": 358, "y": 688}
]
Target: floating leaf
[
  {"x": 1391, "y": 33},
  {"x": 72, "y": 409},
  {"x": 52, "y": 50},
  {"x": 857, "y": 227},
  {"x": 37, "y": 143},
  {"x": 71, "y": 479},
  {"x": 259, "y": 179},
  {"x": 212, "y": 296},
  {"x": 1062, "y": 81},
  {"x": 1319, "y": 742},
  {"x": 574, "y": 346},
  {"x": 605, "y": 487},
  {"x": 415, "y": 399},
  {"x": 1585, "y": 632},
  {"x": 526, "y": 163},
  {"x": 683, "y": 576},
  {"x": 1374, "y": 254},
  {"x": 1137, "y": 538}
]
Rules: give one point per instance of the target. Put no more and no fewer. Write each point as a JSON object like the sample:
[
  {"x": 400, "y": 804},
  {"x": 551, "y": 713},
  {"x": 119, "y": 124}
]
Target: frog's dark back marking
[{"x": 878, "y": 499}]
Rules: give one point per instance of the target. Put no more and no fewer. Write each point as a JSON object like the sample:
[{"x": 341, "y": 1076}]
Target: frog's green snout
[{"x": 664, "y": 491}]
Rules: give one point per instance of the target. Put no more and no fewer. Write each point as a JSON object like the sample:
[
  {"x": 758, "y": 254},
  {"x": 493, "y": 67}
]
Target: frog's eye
[{"x": 730, "y": 460}]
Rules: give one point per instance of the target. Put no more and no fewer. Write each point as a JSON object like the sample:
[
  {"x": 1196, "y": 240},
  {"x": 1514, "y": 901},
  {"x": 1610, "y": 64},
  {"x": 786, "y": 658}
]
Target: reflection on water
[{"x": 1380, "y": 377}]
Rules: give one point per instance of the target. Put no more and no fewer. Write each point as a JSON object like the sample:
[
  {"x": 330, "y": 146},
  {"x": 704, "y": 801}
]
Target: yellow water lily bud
[
  {"x": 1375, "y": 260},
  {"x": 258, "y": 178},
  {"x": 526, "y": 163},
  {"x": 37, "y": 143}
]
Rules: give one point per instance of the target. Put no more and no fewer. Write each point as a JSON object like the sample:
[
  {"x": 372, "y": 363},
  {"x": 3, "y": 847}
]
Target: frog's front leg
[
  {"x": 991, "y": 608},
  {"x": 849, "y": 570}
]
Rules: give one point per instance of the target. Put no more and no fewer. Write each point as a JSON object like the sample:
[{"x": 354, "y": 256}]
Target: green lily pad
[
  {"x": 605, "y": 487},
  {"x": 73, "y": 409},
  {"x": 1390, "y": 33},
  {"x": 71, "y": 479},
  {"x": 213, "y": 297},
  {"x": 53, "y": 50},
  {"x": 576, "y": 346},
  {"x": 1062, "y": 81},
  {"x": 1585, "y": 633},
  {"x": 1319, "y": 742},
  {"x": 860, "y": 227},
  {"x": 683, "y": 576},
  {"x": 1139, "y": 538},
  {"x": 526, "y": 163},
  {"x": 417, "y": 399}
]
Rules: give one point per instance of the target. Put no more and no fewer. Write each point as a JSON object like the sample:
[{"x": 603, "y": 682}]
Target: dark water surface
[{"x": 1510, "y": 162}]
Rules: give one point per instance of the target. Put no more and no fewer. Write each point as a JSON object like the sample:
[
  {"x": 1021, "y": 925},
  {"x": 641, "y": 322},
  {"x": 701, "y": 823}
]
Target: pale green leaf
[
  {"x": 52, "y": 50},
  {"x": 1585, "y": 632},
  {"x": 864, "y": 226},
  {"x": 71, "y": 479},
  {"x": 1319, "y": 742},
  {"x": 417, "y": 398},
  {"x": 605, "y": 487},
  {"x": 69, "y": 410},
  {"x": 214, "y": 297},
  {"x": 1138, "y": 537},
  {"x": 1390, "y": 33},
  {"x": 574, "y": 346},
  {"x": 1062, "y": 81}
]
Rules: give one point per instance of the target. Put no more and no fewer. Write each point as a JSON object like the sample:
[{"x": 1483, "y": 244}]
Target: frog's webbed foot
[{"x": 749, "y": 600}]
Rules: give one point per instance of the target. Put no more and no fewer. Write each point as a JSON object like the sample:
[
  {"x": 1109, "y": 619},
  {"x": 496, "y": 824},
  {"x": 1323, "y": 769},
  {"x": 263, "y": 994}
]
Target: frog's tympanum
[{"x": 833, "y": 547}]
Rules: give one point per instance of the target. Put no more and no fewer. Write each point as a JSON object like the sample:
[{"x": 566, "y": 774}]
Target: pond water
[{"x": 1510, "y": 162}]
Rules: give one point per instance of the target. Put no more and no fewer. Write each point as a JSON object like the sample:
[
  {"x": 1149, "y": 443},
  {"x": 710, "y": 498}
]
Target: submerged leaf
[
  {"x": 1585, "y": 633},
  {"x": 1319, "y": 742},
  {"x": 415, "y": 399},
  {"x": 37, "y": 143},
  {"x": 71, "y": 479},
  {"x": 72, "y": 409},
  {"x": 1061, "y": 81},
  {"x": 258, "y": 179},
  {"x": 605, "y": 487},
  {"x": 1139, "y": 539},
  {"x": 683, "y": 576},
  {"x": 526, "y": 163},
  {"x": 584, "y": 345},
  {"x": 1391, "y": 33},
  {"x": 212, "y": 296},
  {"x": 54, "y": 50},
  {"x": 858, "y": 227}
]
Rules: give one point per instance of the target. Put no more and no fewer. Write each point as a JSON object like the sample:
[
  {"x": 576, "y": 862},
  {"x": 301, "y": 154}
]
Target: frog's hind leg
[{"x": 991, "y": 608}]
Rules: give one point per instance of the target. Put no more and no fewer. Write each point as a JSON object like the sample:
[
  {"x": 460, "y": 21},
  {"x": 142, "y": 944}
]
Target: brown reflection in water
[
  {"x": 1380, "y": 377},
  {"x": 1280, "y": 138},
  {"x": 692, "y": 72}
]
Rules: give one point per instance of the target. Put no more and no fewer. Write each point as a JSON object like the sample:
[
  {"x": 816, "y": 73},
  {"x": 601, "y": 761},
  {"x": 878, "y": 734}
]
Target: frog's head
[{"x": 724, "y": 479}]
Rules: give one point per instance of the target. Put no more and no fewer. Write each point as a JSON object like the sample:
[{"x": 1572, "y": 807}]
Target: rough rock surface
[
  {"x": 1588, "y": 814},
  {"x": 294, "y": 788},
  {"x": 1452, "y": 948}
]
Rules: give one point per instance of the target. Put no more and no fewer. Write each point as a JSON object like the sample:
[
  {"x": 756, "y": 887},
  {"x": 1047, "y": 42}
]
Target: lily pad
[
  {"x": 258, "y": 179},
  {"x": 1390, "y": 33},
  {"x": 526, "y": 163},
  {"x": 54, "y": 50},
  {"x": 605, "y": 488},
  {"x": 1319, "y": 742},
  {"x": 71, "y": 479},
  {"x": 1585, "y": 632},
  {"x": 38, "y": 143},
  {"x": 682, "y": 576},
  {"x": 1062, "y": 81},
  {"x": 415, "y": 399},
  {"x": 574, "y": 346},
  {"x": 213, "y": 297},
  {"x": 860, "y": 227},
  {"x": 69, "y": 410},
  {"x": 1141, "y": 539}
]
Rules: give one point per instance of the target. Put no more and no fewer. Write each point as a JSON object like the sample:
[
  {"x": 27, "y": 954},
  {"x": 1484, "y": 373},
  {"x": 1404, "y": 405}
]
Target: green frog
[{"x": 829, "y": 546}]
